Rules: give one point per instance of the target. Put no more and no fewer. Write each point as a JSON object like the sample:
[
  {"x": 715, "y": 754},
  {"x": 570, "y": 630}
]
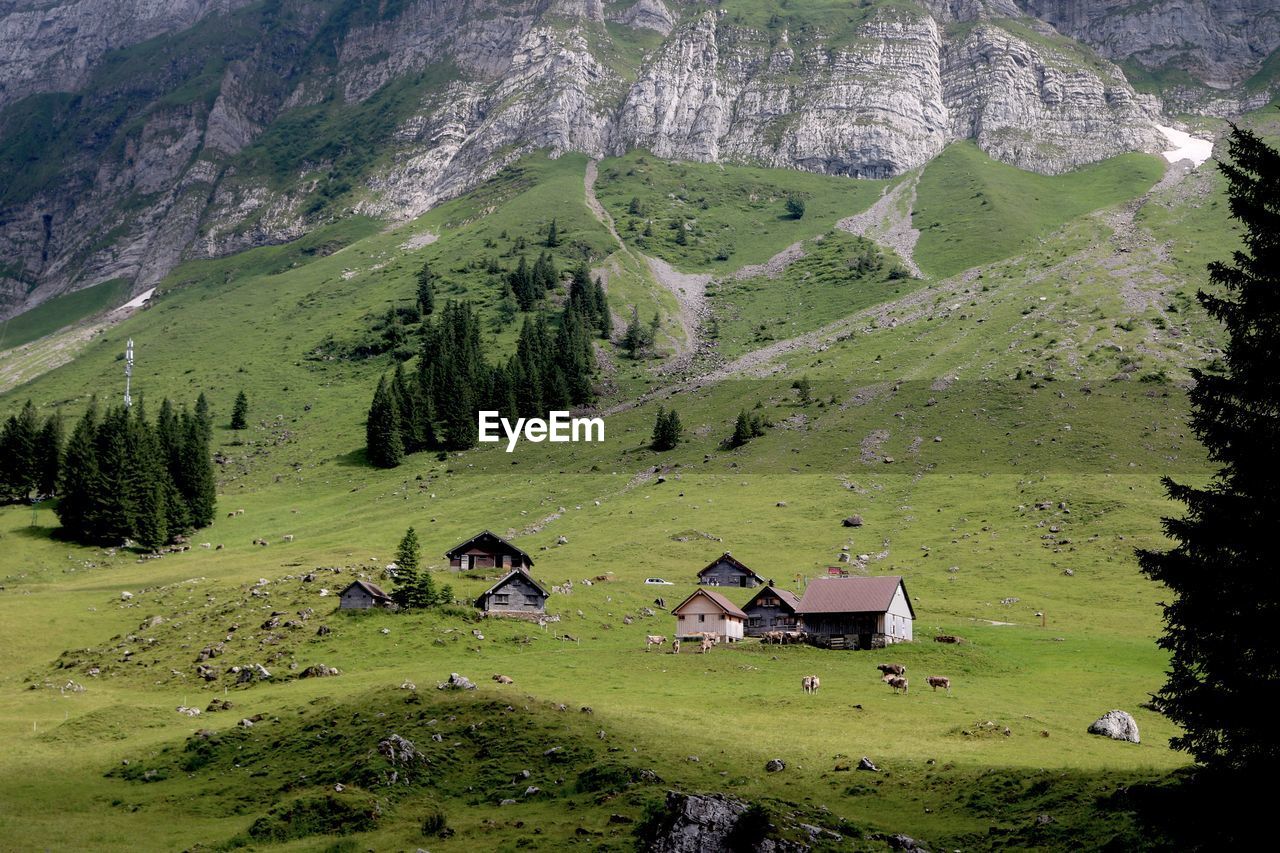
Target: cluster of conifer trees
[
  {"x": 435, "y": 407},
  {"x": 30, "y": 455},
  {"x": 124, "y": 476}
]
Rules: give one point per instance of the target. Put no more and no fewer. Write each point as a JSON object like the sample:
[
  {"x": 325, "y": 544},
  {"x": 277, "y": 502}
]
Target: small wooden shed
[
  {"x": 772, "y": 609},
  {"x": 516, "y": 594},
  {"x": 487, "y": 550},
  {"x": 709, "y": 612},
  {"x": 857, "y": 613},
  {"x": 725, "y": 570},
  {"x": 361, "y": 595}
]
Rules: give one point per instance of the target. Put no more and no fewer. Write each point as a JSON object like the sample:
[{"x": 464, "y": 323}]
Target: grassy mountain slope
[{"x": 992, "y": 428}]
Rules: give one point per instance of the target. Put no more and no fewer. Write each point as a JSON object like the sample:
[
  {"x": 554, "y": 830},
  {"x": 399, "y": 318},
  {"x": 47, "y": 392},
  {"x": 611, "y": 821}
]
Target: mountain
[{"x": 134, "y": 135}]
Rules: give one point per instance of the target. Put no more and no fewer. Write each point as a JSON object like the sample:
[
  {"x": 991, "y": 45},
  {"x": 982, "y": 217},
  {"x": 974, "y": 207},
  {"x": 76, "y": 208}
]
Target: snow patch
[
  {"x": 1185, "y": 146},
  {"x": 137, "y": 301}
]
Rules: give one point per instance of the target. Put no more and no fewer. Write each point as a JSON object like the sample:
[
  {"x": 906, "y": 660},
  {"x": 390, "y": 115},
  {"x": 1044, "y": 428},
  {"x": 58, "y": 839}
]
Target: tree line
[{"x": 434, "y": 407}]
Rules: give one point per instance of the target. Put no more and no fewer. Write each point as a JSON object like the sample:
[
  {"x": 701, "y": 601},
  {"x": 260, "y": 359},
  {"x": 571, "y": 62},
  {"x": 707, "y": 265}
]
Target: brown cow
[
  {"x": 653, "y": 640},
  {"x": 707, "y": 642},
  {"x": 503, "y": 679},
  {"x": 895, "y": 668},
  {"x": 675, "y": 646},
  {"x": 810, "y": 683},
  {"x": 936, "y": 681},
  {"x": 898, "y": 682}
]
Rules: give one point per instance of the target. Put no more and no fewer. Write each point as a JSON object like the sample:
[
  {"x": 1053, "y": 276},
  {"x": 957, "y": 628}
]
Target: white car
[{"x": 658, "y": 582}]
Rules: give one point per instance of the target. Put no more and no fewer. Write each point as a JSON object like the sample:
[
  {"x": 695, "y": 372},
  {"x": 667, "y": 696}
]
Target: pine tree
[
  {"x": 667, "y": 430},
  {"x": 19, "y": 466},
  {"x": 1224, "y": 671},
  {"x": 409, "y": 551},
  {"x": 79, "y": 473},
  {"x": 804, "y": 390},
  {"x": 49, "y": 455},
  {"x": 633, "y": 339},
  {"x": 795, "y": 207},
  {"x": 635, "y": 208},
  {"x": 424, "y": 591},
  {"x": 603, "y": 319},
  {"x": 199, "y": 483},
  {"x": 426, "y": 289},
  {"x": 203, "y": 417},
  {"x": 742, "y": 430},
  {"x": 240, "y": 412},
  {"x": 553, "y": 236},
  {"x": 383, "y": 442}
]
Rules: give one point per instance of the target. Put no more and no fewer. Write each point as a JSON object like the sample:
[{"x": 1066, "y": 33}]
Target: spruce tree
[
  {"x": 240, "y": 412},
  {"x": 49, "y": 455},
  {"x": 203, "y": 416},
  {"x": 20, "y": 474},
  {"x": 1224, "y": 590},
  {"x": 742, "y": 430},
  {"x": 603, "y": 319},
  {"x": 196, "y": 473},
  {"x": 633, "y": 339},
  {"x": 553, "y": 236},
  {"x": 666, "y": 430},
  {"x": 408, "y": 553},
  {"x": 79, "y": 474},
  {"x": 383, "y": 442},
  {"x": 426, "y": 289}
]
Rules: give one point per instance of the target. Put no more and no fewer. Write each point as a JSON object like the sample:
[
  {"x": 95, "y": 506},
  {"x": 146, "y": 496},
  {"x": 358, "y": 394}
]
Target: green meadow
[{"x": 1001, "y": 425}]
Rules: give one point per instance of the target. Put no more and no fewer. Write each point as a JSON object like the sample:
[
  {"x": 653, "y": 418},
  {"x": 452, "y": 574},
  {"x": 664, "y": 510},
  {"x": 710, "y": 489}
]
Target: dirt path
[
  {"x": 888, "y": 221},
  {"x": 689, "y": 289}
]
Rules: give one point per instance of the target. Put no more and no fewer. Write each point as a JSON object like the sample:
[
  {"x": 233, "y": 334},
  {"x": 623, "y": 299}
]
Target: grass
[
  {"x": 821, "y": 287},
  {"x": 62, "y": 311},
  {"x": 972, "y": 210},
  {"x": 734, "y": 215},
  {"x": 1020, "y": 371}
]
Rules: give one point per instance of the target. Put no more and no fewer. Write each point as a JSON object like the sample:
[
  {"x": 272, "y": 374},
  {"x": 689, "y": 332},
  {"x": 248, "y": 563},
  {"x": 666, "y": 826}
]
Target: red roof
[
  {"x": 852, "y": 595},
  {"x": 786, "y": 596},
  {"x": 717, "y": 599}
]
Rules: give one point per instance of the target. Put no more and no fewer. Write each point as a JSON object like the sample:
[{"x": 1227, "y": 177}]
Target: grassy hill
[{"x": 1002, "y": 432}]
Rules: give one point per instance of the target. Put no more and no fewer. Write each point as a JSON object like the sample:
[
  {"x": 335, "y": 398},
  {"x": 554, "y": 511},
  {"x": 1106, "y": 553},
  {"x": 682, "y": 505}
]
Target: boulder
[
  {"x": 1117, "y": 725},
  {"x": 398, "y": 750},
  {"x": 456, "y": 682},
  {"x": 320, "y": 671},
  {"x": 852, "y": 521}
]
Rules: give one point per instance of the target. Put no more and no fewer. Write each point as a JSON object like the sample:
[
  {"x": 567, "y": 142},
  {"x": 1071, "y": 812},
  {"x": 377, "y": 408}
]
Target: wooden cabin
[
  {"x": 772, "y": 609},
  {"x": 487, "y": 550},
  {"x": 709, "y": 612},
  {"x": 516, "y": 594},
  {"x": 857, "y": 613},
  {"x": 362, "y": 595},
  {"x": 727, "y": 571}
]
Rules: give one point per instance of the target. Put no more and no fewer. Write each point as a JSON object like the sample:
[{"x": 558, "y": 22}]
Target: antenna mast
[{"x": 128, "y": 373}]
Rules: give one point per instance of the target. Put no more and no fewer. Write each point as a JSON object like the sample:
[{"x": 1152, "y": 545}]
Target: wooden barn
[
  {"x": 708, "y": 612},
  {"x": 857, "y": 613},
  {"x": 727, "y": 571},
  {"x": 516, "y": 594},
  {"x": 772, "y": 609},
  {"x": 361, "y": 595},
  {"x": 487, "y": 550}
]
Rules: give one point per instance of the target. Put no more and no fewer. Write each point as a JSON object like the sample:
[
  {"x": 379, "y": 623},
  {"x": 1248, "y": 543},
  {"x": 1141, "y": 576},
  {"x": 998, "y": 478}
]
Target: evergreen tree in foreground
[
  {"x": 240, "y": 412},
  {"x": 1220, "y": 626},
  {"x": 426, "y": 290}
]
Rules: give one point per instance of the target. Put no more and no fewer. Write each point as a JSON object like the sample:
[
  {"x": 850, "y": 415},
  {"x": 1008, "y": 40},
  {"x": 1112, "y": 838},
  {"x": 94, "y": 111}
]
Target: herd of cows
[{"x": 892, "y": 674}]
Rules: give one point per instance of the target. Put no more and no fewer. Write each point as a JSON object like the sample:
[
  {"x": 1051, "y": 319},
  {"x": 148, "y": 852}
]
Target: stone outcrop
[
  {"x": 490, "y": 82},
  {"x": 1117, "y": 725}
]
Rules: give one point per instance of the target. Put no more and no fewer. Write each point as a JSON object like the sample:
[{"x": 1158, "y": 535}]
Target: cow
[
  {"x": 810, "y": 683},
  {"x": 936, "y": 681},
  {"x": 675, "y": 646},
  {"x": 771, "y": 637},
  {"x": 887, "y": 677},
  {"x": 503, "y": 679},
  {"x": 895, "y": 668},
  {"x": 652, "y": 640},
  {"x": 898, "y": 682},
  {"x": 708, "y": 640}
]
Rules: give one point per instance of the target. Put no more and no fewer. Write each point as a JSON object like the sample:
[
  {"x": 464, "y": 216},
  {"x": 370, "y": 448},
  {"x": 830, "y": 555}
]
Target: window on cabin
[
  {"x": 501, "y": 598},
  {"x": 702, "y": 617}
]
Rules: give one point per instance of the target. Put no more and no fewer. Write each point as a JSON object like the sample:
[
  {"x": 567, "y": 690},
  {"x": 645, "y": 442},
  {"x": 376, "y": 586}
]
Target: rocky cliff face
[
  {"x": 262, "y": 120},
  {"x": 1220, "y": 42}
]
